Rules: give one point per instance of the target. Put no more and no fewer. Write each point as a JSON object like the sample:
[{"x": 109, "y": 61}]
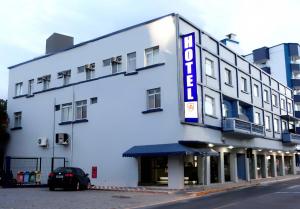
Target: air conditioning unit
[
  {"x": 117, "y": 59},
  {"x": 62, "y": 138},
  {"x": 42, "y": 141},
  {"x": 90, "y": 66}
]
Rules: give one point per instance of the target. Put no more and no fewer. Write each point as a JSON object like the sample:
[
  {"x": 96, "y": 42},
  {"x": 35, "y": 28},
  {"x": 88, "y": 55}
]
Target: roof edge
[{"x": 93, "y": 40}]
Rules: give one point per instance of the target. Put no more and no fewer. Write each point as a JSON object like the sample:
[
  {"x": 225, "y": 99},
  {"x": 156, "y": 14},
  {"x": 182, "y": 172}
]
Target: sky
[{"x": 26, "y": 24}]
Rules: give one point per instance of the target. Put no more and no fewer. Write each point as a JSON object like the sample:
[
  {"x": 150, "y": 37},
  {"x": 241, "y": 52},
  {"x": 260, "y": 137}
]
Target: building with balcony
[
  {"x": 158, "y": 103},
  {"x": 282, "y": 62}
]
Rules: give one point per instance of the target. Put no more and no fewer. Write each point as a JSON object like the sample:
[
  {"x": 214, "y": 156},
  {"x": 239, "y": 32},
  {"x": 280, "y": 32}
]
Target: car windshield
[{"x": 63, "y": 170}]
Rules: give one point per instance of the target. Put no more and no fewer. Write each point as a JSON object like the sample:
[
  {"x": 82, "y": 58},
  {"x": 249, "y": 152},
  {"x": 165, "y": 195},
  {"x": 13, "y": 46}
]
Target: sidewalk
[{"x": 199, "y": 190}]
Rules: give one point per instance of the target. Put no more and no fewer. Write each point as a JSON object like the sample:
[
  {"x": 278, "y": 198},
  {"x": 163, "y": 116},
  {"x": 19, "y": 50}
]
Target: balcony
[
  {"x": 294, "y": 50},
  {"x": 291, "y": 138},
  {"x": 296, "y": 98},
  {"x": 295, "y": 82},
  {"x": 243, "y": 128},
  {"x": 295, "y": 67}
]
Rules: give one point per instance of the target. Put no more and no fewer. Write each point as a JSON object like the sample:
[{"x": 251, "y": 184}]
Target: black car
[{"x": 68, "y": 178}]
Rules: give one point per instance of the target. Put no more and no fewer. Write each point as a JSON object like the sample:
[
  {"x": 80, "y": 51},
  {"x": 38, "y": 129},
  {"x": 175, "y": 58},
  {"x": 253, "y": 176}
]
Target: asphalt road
[{"x": 282, "y": 195}]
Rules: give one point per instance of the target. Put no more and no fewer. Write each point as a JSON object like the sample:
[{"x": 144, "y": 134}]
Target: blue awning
[{"x": 167, "y": 150}]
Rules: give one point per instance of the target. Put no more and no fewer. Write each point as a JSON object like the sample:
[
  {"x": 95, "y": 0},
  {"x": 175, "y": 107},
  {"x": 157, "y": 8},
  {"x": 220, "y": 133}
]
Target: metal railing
[{"x": 246, "y": 127}]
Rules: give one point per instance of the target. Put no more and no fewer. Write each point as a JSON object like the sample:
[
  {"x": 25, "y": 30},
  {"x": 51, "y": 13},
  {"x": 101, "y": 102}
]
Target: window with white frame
[
  {"x": 151, "y": 55},
  {"x": 131, "y": 62},
  {"x": 65, "y": 75},
  {"x": 228, "y": 76},
  {"x": 255, "y": 90},
  {"x": 209, "y": 105},
  {"x": 81, "y": 110},
  {"x": 90, "y": 71},
  {"x": 66, "y": 112},
  {"x": 274, "y": 100},
  {"x": 209, "y": 67},
  {"x": 267, "y": 123},
  {"x": 153, "y": 98},
  {"x": 244, "y": 86},
  {"x": 17, "y": 119},
  {"x": 276, "y": 125},
  {"x": 282, "y": 104},
  {"x": 30, "y": 86},
  {"x": 266, "y": 96},
  {"x": 116, "y": 64},
  {"x": 45, "y": 80},
  {"x": 257, "y": 118},
  {"x": 19, "y": 89}
]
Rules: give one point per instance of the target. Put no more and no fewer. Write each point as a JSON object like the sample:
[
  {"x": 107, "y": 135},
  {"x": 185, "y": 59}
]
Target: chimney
[{"x": 58, "y": 42}]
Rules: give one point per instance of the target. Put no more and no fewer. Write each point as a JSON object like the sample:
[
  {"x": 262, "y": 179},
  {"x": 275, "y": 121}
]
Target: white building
[{"x": 161, "y": 102}]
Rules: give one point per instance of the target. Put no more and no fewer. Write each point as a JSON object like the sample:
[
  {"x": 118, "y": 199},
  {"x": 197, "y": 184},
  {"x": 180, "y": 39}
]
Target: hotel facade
[{"x": 158, "y": 103}]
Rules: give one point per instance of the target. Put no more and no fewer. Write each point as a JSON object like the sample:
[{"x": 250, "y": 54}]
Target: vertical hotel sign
[{"x": 189, "y": 78}]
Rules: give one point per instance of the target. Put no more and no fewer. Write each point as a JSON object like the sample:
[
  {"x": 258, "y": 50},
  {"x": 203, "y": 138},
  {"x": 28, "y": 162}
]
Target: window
[
  {"x": 244, "y": 84},
  {"x": 225, "y": 111},
  {"x": 131, "y": 62},
  {"x": 209, "y": 105},
  {"x": 282, "y": 104},
  {"x": 19, "y": 89},
  {"x": 290, "y": 107},
  {"x": 209, "y": 67},
  {"x": 274, "y": 100},
  {"x": 151, "y": 55},
  {"x": 284, "y": 126},
  {"x": 276, "y": 125},
  {"x": 81, "y": 110},
  {"x": 266, "y": 96},
  {"x": 45, "y": 80},
  {"x": 66, "y": 112},
  {"x": 18, "y": 119},
  {"x": 65, "y": 75},
  {"x": 94, "y": 100},
  {"x": 255, "y": 90},
  {"x": 89, "y": 74},
  {"x": 30, "y": 86},
  {"x": 267, "y": 123},
  {"x": 153, "y": 98},
  {"x": 89, "y": 70},
  {"x": 116, "y": 65},
  {"x": 228, "y": 76},
  {"x": 257, "y": 118}
]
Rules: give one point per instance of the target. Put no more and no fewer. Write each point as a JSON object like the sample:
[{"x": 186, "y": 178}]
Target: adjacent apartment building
[
  {"x": 158, "y": 103},
  {"x": 281, "y": 61}
]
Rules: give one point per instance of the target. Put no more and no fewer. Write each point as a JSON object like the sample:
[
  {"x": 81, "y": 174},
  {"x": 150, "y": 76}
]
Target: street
[{"x": 273, "y": 196}]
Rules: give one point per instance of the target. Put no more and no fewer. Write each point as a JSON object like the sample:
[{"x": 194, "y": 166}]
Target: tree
[{"x": 4, "y": 136}]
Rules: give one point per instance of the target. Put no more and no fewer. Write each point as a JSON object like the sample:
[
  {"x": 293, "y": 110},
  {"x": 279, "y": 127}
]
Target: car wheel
[
  {"x": 88, "y": 186},
  {"x": 77, "y": 187}
]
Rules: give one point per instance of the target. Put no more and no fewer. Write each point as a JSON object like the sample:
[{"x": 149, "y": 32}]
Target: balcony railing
[
  {"x": 235, "y": 125},
  {"x": 291, "y": 138}
]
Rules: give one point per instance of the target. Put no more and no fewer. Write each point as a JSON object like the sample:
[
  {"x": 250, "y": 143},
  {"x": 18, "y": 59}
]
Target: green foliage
[{"x": 4, "y": 136}]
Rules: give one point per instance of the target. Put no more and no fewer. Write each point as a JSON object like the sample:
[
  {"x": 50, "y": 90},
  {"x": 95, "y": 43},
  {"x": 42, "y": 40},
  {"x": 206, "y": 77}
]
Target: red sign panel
[{"x": 94, "y": 172}]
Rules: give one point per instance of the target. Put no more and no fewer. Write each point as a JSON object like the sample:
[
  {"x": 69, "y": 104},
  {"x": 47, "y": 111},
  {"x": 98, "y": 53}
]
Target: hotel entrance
[{"x": 153, "y": 171}]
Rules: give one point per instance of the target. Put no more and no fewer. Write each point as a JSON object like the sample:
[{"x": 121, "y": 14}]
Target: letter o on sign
[{"x": 188, "y": 55}]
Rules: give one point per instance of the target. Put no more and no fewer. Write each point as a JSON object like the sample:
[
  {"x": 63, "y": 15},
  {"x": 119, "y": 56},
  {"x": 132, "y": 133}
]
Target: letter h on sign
[{"x": 189, "y": 78}]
